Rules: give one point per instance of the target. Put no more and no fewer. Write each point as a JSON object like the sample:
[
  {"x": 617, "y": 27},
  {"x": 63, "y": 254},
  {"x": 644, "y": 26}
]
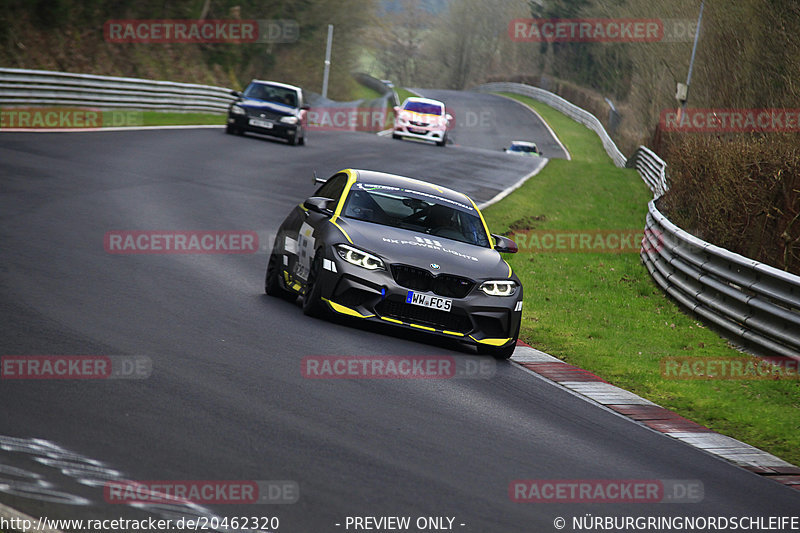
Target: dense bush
[{"x": 738, "y": 192}]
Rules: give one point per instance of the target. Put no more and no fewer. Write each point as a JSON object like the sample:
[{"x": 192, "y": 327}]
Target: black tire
[
  {"x": 312, "y": 300},
  {"x": 272, "y": 282},
  {"x": 396, "y": 136},
  {"x": 443, "y": 142},
  {"x": 302, "y": 141},
  {"x": 293, "y": 139},
  {"x": 230, "y": 129}
]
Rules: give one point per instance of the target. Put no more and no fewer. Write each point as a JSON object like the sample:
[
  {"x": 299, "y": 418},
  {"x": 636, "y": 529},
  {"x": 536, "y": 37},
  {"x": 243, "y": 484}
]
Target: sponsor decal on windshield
[
  {"x": 436, "y": 197},
  {"x": 431, "y": 244}
]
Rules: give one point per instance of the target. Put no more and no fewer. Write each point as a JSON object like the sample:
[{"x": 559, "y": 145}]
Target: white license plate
[
  {"x": 261, "y": 123},
  {"x": 425, "y": 300}
]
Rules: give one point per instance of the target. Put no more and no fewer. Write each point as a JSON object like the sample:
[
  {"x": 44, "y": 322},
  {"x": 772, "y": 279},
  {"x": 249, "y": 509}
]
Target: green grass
[
  {"x": 157, "y": 118},
  {"x": 603, "y": 312},
  {"x": 402, "y": 93},
  {"x": 362, "y": 92}
]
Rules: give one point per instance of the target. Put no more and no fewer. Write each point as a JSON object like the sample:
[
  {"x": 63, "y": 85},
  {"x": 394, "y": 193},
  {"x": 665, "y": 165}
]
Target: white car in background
[
  {"x": 422, "y": 118},
  {"x": 523, "y": 148}
]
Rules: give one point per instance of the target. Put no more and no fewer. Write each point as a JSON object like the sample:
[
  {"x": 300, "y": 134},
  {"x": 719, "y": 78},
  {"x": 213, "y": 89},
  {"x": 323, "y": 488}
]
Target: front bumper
[
  {"x": 375, "y": 296},
  {"x": 277, "y": 129},
  {"x": 425, "y": 133}
]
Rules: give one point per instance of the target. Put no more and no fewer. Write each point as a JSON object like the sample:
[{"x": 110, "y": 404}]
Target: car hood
[
  {"x": 396, "y": 245},
  {"x": 255, "y": 103}
]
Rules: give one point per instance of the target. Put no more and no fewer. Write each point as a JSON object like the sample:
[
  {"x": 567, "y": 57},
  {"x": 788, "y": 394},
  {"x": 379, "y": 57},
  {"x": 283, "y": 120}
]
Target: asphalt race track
[
  {"x": 226, "y": 399},
  {"x": 492, "y": 122}
]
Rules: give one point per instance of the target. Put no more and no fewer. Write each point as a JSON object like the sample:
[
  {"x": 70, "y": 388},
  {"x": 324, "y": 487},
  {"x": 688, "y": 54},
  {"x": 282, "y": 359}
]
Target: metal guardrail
[
  {"x": 752, "y": 302},
  {"x": 19, "y": 87},
  {"x": 749, "y": 300},
  {"x": 568, "y": 108},
  {"x": 652, "y": 168}
]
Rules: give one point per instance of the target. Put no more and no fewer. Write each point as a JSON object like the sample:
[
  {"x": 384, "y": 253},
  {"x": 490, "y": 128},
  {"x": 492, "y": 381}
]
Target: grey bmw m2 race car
[{"x": 399, "y": 251}]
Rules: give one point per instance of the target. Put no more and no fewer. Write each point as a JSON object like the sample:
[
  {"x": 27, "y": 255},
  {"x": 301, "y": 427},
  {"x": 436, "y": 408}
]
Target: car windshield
[
  {"x": 271, "y": 93},
  {"x": 522, "y": 148},
  {"x": 423, "y": 108},
  {"x": 405, "y": 208}
]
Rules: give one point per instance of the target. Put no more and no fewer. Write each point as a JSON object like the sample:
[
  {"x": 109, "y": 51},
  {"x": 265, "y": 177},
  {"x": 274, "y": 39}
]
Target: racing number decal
[{"x": 305, "y": 251}]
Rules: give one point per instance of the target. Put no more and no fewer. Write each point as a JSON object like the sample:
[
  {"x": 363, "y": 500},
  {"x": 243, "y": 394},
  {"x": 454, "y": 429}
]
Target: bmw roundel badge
[{"x": 434, "y": 266}]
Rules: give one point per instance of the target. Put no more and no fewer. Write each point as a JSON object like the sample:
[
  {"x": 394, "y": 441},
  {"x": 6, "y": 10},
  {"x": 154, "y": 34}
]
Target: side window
[{"x": 333, "y": 188}]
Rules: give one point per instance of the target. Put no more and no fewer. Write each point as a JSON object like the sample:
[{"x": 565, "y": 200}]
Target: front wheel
[
  {"x": 443, "y": 141},
  {"x": 272, "y": 282},
  {"x": 312, "y": 298}
]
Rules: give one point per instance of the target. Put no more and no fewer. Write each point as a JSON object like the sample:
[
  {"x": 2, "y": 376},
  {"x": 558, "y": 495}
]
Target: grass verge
[
  {"x": 603, "y": 312},
  {"x": 158, "y": 118}
]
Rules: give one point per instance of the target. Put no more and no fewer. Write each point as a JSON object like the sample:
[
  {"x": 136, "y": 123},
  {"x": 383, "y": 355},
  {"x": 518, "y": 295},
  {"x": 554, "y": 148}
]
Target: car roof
[
  {"x": 423, "y": 100},
  {"x": 383, "y": 178},
  {"x": 278, "y": 84},
  {"x": 522, "y": 143}
]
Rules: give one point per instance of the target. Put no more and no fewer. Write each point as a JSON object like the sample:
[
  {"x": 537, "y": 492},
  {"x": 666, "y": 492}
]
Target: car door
[{"x": 304, "y": 231}]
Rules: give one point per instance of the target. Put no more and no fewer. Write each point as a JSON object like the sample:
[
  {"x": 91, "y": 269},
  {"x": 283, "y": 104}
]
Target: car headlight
[
  {"x": 499, "y": 287},
  {"x": 238, "y": 110},
  {"x": 359, "y": 258},
  {"x": 289, "y": 120}
]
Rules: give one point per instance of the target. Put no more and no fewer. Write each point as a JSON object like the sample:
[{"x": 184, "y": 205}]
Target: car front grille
[
  {"x": 267, "y": 114},
  {"x": 419, "y": 279},
  {"x": 443, "y": 320}
]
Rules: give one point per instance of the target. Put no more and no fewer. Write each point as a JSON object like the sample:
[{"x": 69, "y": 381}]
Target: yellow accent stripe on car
[
  {"x": 491, "y": 342},
  {"x": 485, "y": 227},
  {"x": 344, "y": 310},
  {"x": 351, "y": 179},
  {"x": 426, "y": 328},
  {"x": 343, "y": 231}
]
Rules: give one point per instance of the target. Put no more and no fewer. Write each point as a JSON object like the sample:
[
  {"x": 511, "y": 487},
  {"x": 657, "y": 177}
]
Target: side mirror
[
  {"x": 505, "y": 149},
  {"x": 236, "y": 93},
  {"x": 504, "y": 244},
  {"x": 396, "y": 109},
  {"x": 448, "y": 117},
  {"x": 321, "y": 205}
]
